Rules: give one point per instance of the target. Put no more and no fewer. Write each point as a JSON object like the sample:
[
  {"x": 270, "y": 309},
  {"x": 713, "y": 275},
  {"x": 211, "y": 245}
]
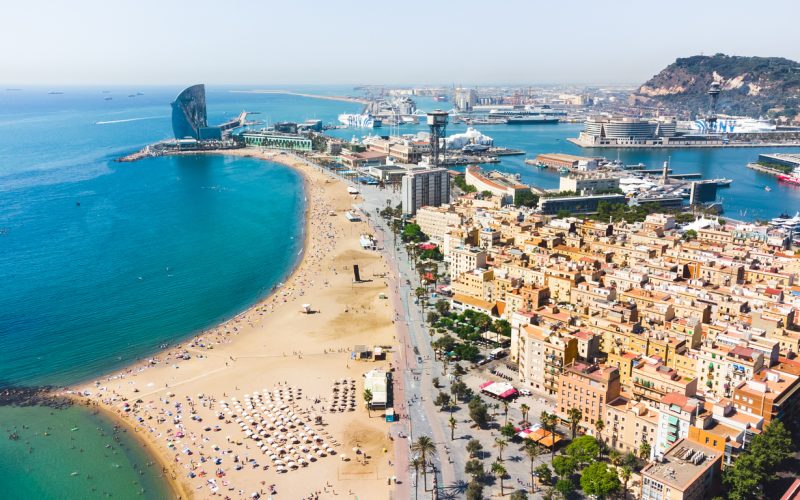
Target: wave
[{"x": 128, "y": 120}]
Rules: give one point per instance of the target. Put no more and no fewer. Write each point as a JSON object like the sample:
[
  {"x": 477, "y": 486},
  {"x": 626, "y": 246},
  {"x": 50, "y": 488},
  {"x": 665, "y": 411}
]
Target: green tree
[
  {"x": 442, "y": 400},
  {"x": 525, "y": 198},
  {"x": 433, "y": 317},
  {"x": 500, "y": 444},
  {"x": 772, "y": 446},
  {"x": 508, "y": 431},
  {"x": 474, "y": 468},
  {"x": 625, "y": 475},
  {"x": 548, "y": 423},
  {"x": 478, "y": 411},
  {"x": 505, "y": 409},
  {"x": 500, "y": 472},
  {"x": 416, "y": 464},
  {"x": 583, "y": 449},
  {"x": 458, "y": 388},
  {"x": 519, "y": 495},
  {"x": 420, "y": 292},
  {"x": 744, "y": 477},
  {"x": 452, "y": 423},
  {"x": 474, "y": 491},
  {"x": 644, "y": 450},
  {"x": 424, "y": 447},
  {"x": 442, "y": 307},
  {"x": 759, "y": 462},
  {"x": 565, "y": 487},
  {"x": 599, "y": 480},
  {"x": 544, "y": 474},
  {"x": 525, "y": 409},
  {"x": 435, "y": 382},
  {"x": 532, "y": 450},
  {"x": 575, "y": 415},
  {"x": 599, "y": 425},
  {"x": 690, "y": 234},
  {"x": 565, "y": 465},
  {"x": 413, "y": 233},
  {"x": 615, "y": 458},
  {"x": 474, "y": 447},
  {"x": 368, "y": 401}
]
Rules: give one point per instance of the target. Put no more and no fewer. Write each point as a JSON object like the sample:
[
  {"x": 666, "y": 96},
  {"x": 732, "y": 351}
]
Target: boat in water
[
  {"x": 726, "y": 124},
  {"x": 531, "y": 120},
  {"x": 790, "y": 179},
  {"x": 359, "y": 120},
  {"x": 528, "y": 111}
]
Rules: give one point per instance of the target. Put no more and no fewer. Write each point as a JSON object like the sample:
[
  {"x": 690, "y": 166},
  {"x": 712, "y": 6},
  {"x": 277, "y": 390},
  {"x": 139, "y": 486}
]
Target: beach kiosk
[{"x": 390, "y": 414}]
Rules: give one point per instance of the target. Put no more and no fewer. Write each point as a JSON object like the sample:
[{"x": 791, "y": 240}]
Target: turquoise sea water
[{"x": 101, "y": 262}]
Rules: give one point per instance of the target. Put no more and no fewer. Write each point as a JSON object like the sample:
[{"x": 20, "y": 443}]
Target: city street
[{"x": 415, "y": 393}]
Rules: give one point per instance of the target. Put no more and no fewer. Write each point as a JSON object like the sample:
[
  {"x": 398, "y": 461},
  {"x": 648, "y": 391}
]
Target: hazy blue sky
[{"x": 330, "y": 41}]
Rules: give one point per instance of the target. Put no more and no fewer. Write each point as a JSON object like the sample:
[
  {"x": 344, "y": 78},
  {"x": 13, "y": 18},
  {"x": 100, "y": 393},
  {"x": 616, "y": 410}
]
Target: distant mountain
[{"x": 754, "y": 86}]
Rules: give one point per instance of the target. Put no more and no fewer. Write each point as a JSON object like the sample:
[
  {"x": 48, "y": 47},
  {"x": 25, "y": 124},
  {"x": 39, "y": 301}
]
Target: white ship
[
  {"x": 359, "y": 121},
  {"x": 727, "y": 125}
]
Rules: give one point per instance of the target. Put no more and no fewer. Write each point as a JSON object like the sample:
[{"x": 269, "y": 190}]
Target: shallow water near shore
[
  {"x": 101, "y": 262},
  {"x": 51, "y": 460}
]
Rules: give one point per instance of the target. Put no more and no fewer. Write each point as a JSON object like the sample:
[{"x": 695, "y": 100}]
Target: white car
[{"x": 525, "y": 392}]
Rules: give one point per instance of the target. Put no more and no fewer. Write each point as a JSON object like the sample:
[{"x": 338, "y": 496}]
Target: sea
[{"x": 102, "y": 263}]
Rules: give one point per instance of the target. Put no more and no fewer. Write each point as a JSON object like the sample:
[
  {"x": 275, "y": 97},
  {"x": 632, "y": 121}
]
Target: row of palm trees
[{"x": 423, "y": 449}]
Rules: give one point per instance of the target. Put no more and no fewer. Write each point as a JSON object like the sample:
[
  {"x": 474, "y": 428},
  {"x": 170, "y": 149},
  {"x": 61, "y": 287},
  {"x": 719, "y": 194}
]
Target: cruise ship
[
  {"x": 359, "y": 121},
  {"x": 727, "y": 125},
  {"x": 544, "y": 111},
  {"x": 531, "y": 119}
]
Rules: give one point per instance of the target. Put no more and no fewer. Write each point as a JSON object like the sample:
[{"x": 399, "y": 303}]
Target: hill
[{"x": 754, "y": 86}]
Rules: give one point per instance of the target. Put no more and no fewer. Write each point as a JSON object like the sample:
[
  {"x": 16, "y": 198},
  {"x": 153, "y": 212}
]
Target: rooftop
[{"x": 682, "y": 464}]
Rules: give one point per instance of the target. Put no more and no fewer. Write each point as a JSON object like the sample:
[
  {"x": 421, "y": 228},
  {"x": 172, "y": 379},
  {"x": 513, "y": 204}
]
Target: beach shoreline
[{"x": 92, "y": 393}]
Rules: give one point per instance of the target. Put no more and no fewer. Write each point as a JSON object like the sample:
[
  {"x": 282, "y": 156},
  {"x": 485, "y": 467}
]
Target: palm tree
[
  {"x": 500, "y": 444},
  {"x": 525, "y": 409},
  {"x": 533, "y": 451},
  {"x": 452, "y": 424},
  {"x": 644, "y": 450},
  {"x": 499, "y": 471},
  {"x": 599, "y": 425},
  {"x": 625, "y": 475},
  {"x": 615, "y": 458},
  {"x": 575, "y": 415},
  {"x": 415, "y": 463},
  {"x": 368, "y": 401},
  {"x": 420, "y": 293},
  {"x": 424, "y": 446},
  {"x": 549, "y": 424}
]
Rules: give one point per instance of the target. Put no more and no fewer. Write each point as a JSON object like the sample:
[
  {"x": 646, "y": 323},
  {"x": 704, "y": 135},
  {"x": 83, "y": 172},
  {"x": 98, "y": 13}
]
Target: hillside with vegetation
[{"x": 752, "y": 86}]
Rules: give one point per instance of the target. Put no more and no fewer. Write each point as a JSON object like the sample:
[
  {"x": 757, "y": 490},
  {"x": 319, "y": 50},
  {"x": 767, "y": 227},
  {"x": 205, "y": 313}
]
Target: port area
[
  {"x": 764, "y": 169},
  {"x": 794, "y": 141}
]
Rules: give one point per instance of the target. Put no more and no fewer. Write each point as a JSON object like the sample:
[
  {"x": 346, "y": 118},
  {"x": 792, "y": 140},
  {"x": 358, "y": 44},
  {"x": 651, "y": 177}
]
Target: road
[{"x": 414, "y": 391}]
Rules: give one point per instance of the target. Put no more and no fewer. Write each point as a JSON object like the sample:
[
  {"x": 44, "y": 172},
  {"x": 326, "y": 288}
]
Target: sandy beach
[{"x": 276, "y": 374}]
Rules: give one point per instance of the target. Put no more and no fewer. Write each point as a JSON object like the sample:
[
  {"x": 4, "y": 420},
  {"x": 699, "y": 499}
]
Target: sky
[{"x": 378, "y": 42}]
